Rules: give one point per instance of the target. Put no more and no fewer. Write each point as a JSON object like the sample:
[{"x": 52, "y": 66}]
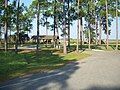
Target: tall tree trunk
[
  {"x": 17, "y": 27},
  {"x": 89, "y": 31},
  {"x": 116, "y": 24},
  {"x": 38, "y": 16},
  {"x": 78, "y": 32},
  {"x": 0, "y": 36},
  {"x": 81, "y": 32},
  {"x": 64, "y": 47},
  {"x": 64, "y": 29},
  {"x": 57, "y": 31},
  {"x": 46, "y": 27},
  {"x": 83, "y": 36},
  {"x": 89, "y": 34},
  {"x": 6, "y": 27},
  {"x": 100, "y": 31},
  {"x": 78, "y": 27},
  {"x": 81, "y": 29},
  {"x": 9, "y": 38},
  {"x": 96, "y": 28},
  {"x": 107, "y": 34},
  {"x": 68, "y": 24},
  {"x": 54, "y": 36}
]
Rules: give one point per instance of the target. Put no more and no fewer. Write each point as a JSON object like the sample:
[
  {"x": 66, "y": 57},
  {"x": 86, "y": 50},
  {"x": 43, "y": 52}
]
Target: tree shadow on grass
[
  {"x": 56, "y": 79},
  {"x": 112, "y": 46}
]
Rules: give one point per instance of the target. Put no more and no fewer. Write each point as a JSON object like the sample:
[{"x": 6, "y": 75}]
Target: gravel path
[{"x": 101, "y": 71}]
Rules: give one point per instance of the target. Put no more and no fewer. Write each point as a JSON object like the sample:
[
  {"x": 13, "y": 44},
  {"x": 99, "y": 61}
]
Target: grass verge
[{"x": 15, "y": 65}]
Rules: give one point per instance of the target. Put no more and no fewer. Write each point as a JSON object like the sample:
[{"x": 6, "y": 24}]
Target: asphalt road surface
[{"x": 101, "y": 71}]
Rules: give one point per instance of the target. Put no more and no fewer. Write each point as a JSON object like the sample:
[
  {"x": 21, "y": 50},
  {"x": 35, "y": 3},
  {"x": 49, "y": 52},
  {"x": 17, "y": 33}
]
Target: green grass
[
  {"x": 111, "y": 47},
  {"x": 99, "y": 47},
  {"x": 75, "y": 56},
  {"x": 14, "y": 65}
]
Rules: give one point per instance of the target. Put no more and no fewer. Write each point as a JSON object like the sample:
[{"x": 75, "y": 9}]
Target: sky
[{"x": 73, "y": 32}]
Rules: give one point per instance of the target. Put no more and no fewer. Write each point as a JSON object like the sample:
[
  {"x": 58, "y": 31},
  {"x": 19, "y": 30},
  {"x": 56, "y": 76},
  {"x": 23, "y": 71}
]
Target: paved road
[{"x": 101, "y": 71}]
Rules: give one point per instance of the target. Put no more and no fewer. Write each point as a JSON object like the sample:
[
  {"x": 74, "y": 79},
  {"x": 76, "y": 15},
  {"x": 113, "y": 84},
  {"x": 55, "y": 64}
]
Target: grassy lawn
[
  {"x": 99, "y": 47},
  {"x": 14, "y": 65}
]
